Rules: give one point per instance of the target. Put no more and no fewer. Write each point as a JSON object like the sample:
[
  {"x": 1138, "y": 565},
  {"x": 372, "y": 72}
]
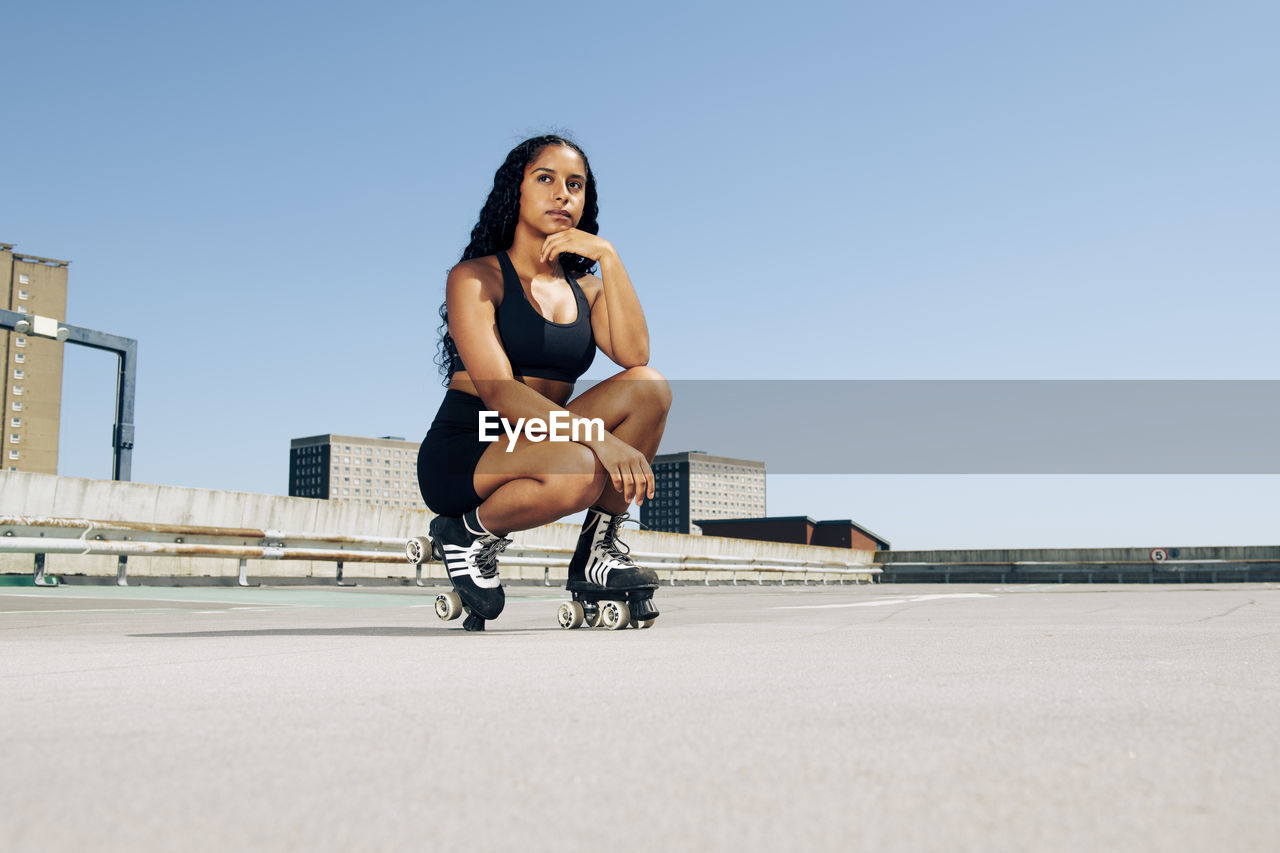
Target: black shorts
[{"x": 449, "y": 454}]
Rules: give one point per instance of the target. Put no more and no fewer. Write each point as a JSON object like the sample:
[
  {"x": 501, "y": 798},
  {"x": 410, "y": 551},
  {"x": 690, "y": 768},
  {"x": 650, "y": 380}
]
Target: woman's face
[{"x": 554, "y": 190}]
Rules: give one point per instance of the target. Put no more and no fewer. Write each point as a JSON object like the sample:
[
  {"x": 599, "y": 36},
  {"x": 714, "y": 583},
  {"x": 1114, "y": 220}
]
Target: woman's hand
[
  {"x": 575, "y": 242},
  {"x": 628, "y": 469}
]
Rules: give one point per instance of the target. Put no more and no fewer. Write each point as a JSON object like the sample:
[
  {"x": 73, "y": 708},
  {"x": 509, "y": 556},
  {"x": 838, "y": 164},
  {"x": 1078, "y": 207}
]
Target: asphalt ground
[{"x": 749, "y": 718}]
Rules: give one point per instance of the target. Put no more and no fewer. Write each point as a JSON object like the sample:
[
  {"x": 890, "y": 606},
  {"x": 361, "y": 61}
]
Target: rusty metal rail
[
  {"x": 123, "y": 539},
  {"x": 692, "y": 564}
]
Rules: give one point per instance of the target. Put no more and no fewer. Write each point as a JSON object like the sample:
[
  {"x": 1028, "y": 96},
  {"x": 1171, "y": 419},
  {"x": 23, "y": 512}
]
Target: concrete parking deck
[{"x": 759, "y": 718}]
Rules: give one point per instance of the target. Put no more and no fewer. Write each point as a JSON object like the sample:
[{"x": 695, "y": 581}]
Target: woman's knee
[
  {"x": 651, "y": 388},
  {"x": 578, "y": 477}
]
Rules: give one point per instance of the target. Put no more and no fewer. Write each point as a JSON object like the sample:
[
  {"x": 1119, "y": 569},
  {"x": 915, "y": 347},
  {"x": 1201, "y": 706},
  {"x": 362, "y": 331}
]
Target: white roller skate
[
  {"x": 471, "y": 562},
  {"x": 608, "y": 588}
]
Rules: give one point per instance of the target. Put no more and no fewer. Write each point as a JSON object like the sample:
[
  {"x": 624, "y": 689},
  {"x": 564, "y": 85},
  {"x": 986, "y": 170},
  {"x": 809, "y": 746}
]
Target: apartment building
[
  {"x": 33, "y": 365},
  {"x": 693, "y": 485},
  {"x": 370, "y": 471}
]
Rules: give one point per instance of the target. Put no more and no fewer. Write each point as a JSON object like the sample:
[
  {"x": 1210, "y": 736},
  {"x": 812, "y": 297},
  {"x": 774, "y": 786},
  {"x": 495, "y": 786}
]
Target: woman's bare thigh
[{"x": 546, "y": 461}]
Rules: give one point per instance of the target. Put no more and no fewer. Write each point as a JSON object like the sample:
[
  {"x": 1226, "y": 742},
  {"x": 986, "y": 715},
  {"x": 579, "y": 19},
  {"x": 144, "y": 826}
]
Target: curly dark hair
[{"x": 495, "y": 230}]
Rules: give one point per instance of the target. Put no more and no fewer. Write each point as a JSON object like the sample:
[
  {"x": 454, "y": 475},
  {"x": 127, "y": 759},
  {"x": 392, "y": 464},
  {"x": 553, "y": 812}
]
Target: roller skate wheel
[
  {"x": 418, "y": 550},
  {"x": 592, "y": 611},
  {"x": 571, "y": 615},
  {"x": 448, "y": 606},
  {"x": 642, "y": 623},
  {"x": 614, "y": 614}
]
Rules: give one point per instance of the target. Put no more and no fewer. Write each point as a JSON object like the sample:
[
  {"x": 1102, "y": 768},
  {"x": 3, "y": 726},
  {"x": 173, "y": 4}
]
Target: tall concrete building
[
  {"x": 370, "y": 471},
  {"x": 693, "y": 485},
  {"x": 33, "y": 365}
]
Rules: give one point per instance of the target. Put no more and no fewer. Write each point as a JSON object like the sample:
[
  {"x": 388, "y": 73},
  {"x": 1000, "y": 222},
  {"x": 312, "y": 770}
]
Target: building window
[
  {"x": 20, "y": 357},
  {"x": 13, "y": 454},
  {"x": 15, "y": 422},
  {"x": 17, "y": 405},
  {"x": 17, "y": 390},
  {"x": 23, "y": 278},
  {"x": 21, "y": 309},
  {"x": 18, "y": 373},
  {"x": 14, "y": 438},
  {"x": 22, "y": 342},
  {"x": 23, "y": 294}
]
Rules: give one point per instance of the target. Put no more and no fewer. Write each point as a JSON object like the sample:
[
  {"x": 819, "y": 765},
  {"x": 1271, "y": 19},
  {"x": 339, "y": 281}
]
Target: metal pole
[
  {"x": 126, "y": 380},
  {"x": 126, "y": 387}
]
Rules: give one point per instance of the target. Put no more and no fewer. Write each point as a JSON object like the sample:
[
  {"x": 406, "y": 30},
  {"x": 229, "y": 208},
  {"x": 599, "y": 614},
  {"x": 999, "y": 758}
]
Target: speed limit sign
[{"x": 1158, "y": 555}]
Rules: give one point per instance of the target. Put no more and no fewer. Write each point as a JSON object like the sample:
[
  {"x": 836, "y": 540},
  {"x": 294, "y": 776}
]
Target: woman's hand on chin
[{"x": 575, "y": 242}]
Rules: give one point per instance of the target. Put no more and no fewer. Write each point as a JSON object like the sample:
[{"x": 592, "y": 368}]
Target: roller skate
[
  {"x": 471, "y": 563},
  {"x": 608, "y": 588}
]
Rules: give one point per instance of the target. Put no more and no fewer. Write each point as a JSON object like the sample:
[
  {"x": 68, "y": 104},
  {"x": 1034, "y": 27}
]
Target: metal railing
[
  {"x": 692, "y": 564},
  {"x": 1083, "y": 571},
  {"x": 124, "y": 539},
  {"x": 41, "y": 535}
]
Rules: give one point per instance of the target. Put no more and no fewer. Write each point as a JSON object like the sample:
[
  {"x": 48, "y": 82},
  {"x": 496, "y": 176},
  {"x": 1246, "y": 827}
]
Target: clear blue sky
[{"x": 268, "y": 195}]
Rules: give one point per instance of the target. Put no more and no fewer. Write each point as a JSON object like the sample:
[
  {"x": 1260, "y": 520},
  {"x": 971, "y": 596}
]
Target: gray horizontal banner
[{"x": 982, "y": 426}]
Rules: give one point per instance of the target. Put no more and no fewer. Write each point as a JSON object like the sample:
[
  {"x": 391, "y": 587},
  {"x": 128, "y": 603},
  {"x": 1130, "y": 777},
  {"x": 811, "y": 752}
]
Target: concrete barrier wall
[
  {"x": 106, "y": 500},
  {"x": 1202, "y": 564},
  {"x": 1079, "y": 555}
]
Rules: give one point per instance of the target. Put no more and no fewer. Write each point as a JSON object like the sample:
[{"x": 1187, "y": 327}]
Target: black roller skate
[
  {"x": 608, "y": 588},
  {"x": 471, "y": 562}
]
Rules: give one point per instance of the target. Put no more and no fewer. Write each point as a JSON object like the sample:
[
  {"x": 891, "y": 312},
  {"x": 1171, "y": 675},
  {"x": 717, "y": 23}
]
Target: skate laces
[
  {"x": 614, "y": 546},
  {"x": 487, "y": 557}
]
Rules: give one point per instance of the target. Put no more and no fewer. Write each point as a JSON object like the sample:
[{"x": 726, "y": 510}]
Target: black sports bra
[{"x": 536, "y": 346}]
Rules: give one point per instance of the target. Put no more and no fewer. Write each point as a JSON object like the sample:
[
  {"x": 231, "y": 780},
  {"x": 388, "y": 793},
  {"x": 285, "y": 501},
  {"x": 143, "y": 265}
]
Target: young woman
[{"x": 523, "y": 317}]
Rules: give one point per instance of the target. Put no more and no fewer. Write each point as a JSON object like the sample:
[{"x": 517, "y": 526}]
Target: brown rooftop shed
[{"x": 799, "y": 529}]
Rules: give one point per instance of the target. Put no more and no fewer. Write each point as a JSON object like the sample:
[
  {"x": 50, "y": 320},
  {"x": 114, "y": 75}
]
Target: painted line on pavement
[{"x": 881, "y": 602}]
